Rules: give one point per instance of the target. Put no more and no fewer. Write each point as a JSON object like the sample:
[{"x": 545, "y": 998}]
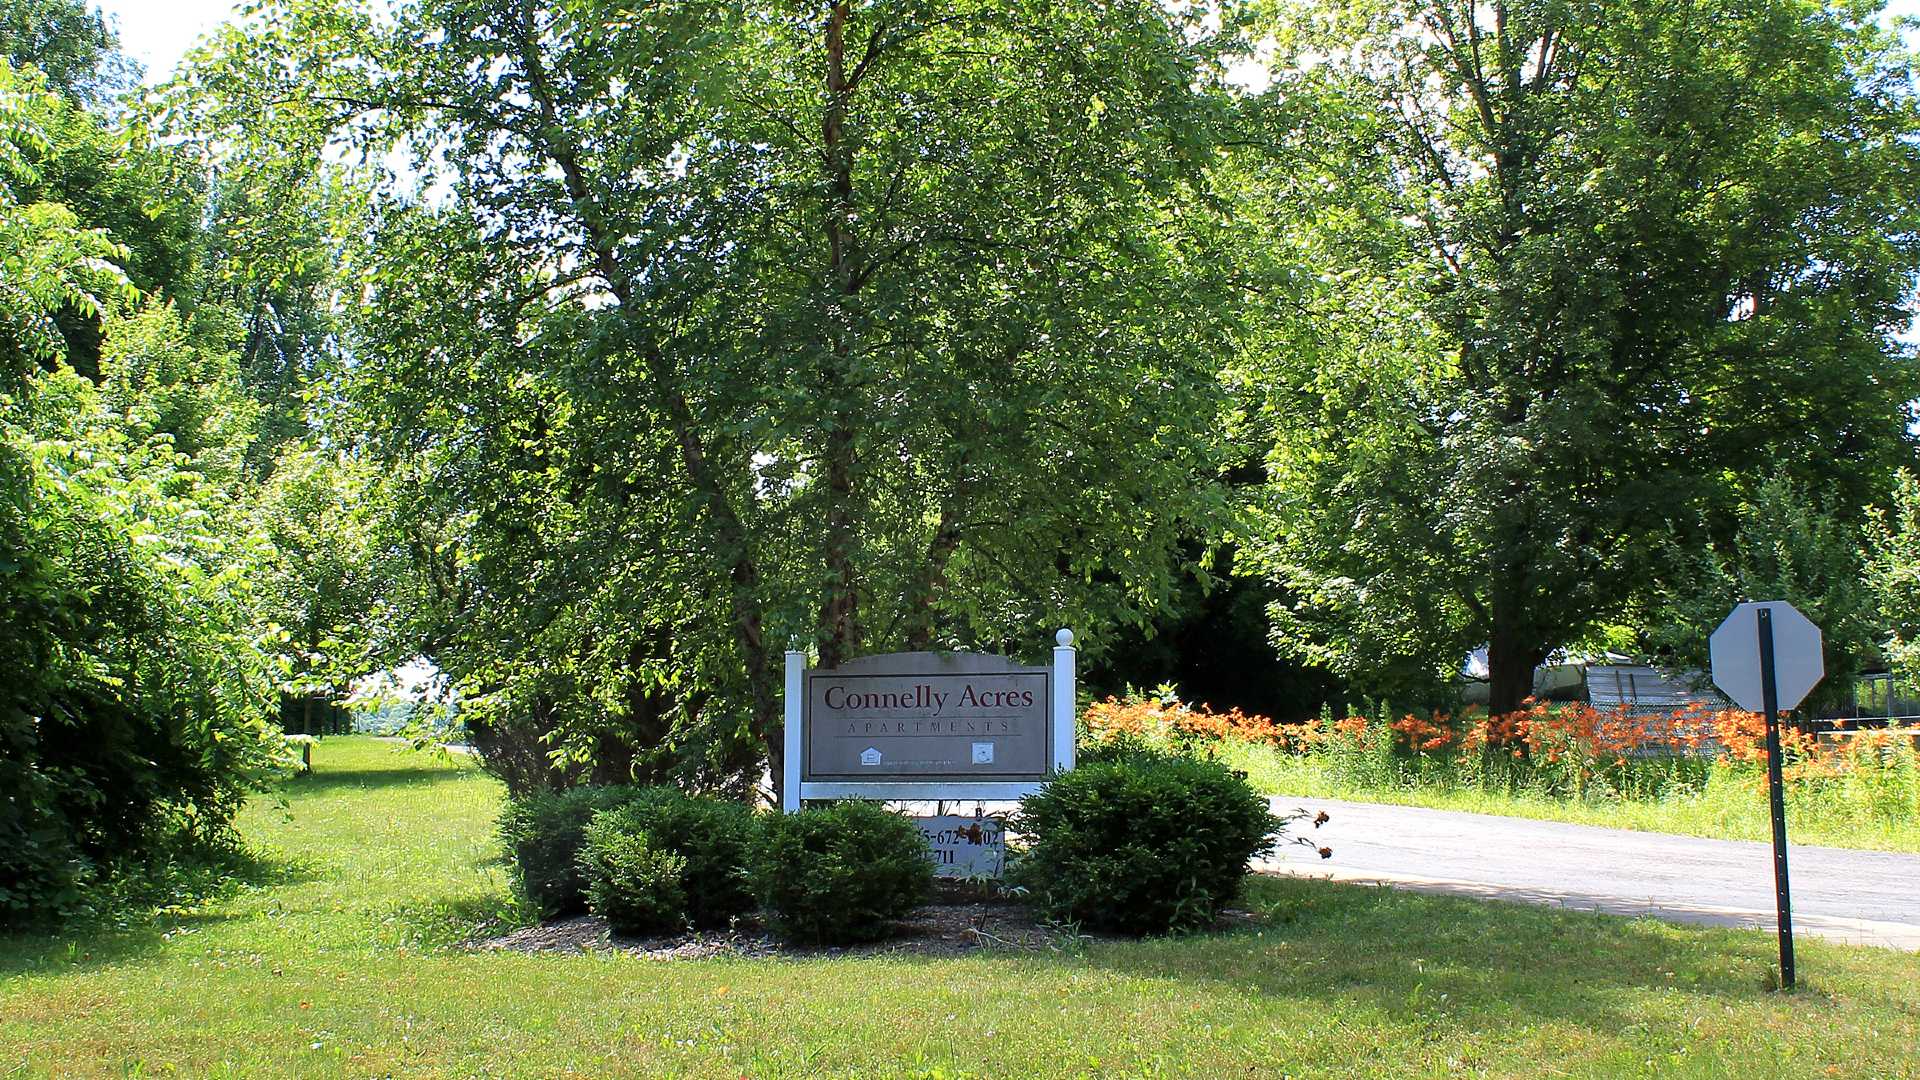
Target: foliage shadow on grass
[
  {"x": 1452, "y": 957},
  {"x": 332, "y": 782},
  {"x": 455, "y": 921},
  {"x": 101, "y": 943},
  {"x": 137, "y": 930},
  {"x": 27, "y": 953}
]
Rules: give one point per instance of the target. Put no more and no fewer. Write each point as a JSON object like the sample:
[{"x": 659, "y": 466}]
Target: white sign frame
[{"x": 1061, "y": 690}]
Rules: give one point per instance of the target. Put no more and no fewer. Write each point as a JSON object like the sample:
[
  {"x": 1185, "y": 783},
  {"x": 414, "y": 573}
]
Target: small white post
[
  {"x": 1065, "y": 696},
  {"x": 790, "y": 762}
]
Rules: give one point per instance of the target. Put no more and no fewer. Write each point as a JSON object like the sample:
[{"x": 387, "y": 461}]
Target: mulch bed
[
  {"x": 952, "y": 926},
  {"x": 942, "y": 929}
]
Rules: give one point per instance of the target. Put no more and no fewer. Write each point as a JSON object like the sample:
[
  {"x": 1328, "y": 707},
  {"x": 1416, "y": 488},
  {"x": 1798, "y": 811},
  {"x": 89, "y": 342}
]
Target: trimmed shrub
[
  {"x": 631, "y": 880},
  {"x": 543, "y": 832},
  {"x": 840, "y": 873},
  {"x": 1142, "y": 843},
  {"x": 715, "y": 837}
]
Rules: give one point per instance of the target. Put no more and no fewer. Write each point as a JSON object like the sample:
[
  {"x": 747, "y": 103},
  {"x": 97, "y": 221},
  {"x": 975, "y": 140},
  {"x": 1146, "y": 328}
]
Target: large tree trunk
[
  {"x": 1512, "y": 654},
  {"x": 839, "y": 633},
  {"x": 920, "y": 613}
]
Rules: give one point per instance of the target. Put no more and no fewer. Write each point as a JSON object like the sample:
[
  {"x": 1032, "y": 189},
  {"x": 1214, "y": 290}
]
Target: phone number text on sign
[{"x": 965, "y": 847}]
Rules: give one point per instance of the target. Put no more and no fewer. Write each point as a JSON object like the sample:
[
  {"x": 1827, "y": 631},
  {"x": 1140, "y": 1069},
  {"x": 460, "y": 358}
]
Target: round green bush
[
  {"x": 839, "y": 874},
  {"x": 715, "y": 837},
  {"x": 1141, "y": 843},
  {"x": 632, "y": 881},
  {"x": 542, "y": 833}
]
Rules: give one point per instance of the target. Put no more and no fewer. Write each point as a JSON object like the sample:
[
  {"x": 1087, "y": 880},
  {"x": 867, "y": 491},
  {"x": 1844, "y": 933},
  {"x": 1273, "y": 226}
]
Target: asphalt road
[{"x": 1864, "y": 897}]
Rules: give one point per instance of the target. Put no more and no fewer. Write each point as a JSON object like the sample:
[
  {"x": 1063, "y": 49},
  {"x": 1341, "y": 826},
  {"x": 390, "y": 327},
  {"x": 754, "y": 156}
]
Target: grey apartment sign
[
  {"x": 926, "y": 714},
  {"x": 924, "y": 725}
]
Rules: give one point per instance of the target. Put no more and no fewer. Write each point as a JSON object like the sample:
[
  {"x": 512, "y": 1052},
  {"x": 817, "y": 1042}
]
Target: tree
[
  {"x": 140, "y": 194},
  {"x": 169, "y": 376},
  {"x": 74, "y": 47},
  {"x": 724, "y": 328},
  {"x": 324, "y": 586},
  {"x": 131, "y": 724},
  {"x": 1787, "y": 547},
  {"x": 54, "y": 264},
  {"x": 1893, "y": 573},
  {"x": 273, "y": 242},
  {"x": 1576, "y": 274}
]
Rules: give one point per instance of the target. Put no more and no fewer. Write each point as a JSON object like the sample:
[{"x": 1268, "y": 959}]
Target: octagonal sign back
[{"x": 1798, "y": 665}]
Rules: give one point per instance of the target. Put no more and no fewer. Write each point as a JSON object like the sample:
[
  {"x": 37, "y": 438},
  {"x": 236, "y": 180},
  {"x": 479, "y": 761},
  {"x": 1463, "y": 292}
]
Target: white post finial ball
[{"x": 1064, "y": 637}]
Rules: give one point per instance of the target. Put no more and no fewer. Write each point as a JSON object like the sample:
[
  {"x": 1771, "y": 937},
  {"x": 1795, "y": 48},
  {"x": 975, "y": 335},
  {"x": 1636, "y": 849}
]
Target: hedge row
[
  {"x": 1134, "y": 842},
  {"x": 655, "y": 860}
]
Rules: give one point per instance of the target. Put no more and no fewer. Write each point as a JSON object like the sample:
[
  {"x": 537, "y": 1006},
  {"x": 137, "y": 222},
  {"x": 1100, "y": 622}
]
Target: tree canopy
[
  {"x": 884, "y": 326},
  {"x": 132, "y": 718},
  {"x": 70, "y": 44},
  {"x": 1585, "y": 272},
  {"x": 593, "y": 356}
]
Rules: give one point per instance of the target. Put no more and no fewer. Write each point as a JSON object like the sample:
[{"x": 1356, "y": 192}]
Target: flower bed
[{"x": 1563, "y": 750}]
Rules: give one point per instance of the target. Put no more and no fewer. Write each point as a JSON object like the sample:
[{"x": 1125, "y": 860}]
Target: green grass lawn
[
  {"x": 343, "y": 961},
  {"x": 1735, "y": 810}
]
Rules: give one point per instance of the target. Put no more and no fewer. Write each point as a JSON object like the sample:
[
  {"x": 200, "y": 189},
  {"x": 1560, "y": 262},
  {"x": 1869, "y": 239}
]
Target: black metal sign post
[{"x": 1776, "y": 798}]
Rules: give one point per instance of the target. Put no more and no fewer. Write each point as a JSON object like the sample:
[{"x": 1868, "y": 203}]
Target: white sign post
[{"x": 1766, "y": 656}]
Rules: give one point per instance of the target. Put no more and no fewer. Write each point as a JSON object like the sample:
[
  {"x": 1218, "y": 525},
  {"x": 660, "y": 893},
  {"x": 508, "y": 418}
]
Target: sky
[{"x": 158, "y": 32}]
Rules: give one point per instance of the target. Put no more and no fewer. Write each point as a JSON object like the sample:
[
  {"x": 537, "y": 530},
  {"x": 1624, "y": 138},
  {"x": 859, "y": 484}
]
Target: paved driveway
[{"x": 1864, "y": 897}]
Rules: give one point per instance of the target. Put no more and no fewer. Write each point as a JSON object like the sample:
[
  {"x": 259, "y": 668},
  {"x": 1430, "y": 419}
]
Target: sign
[
  {"x": 926, "y": 714},
  {"x": 1735, "y": 648},
  {"x": 1766, "y": 656},
  {"x": 925, "y": 725},
  {"x": 965, "y": 847}
]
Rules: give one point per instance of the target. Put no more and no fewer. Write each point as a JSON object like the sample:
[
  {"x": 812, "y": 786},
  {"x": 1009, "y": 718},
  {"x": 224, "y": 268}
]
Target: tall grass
[{"x": 1691, "y": 771}]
